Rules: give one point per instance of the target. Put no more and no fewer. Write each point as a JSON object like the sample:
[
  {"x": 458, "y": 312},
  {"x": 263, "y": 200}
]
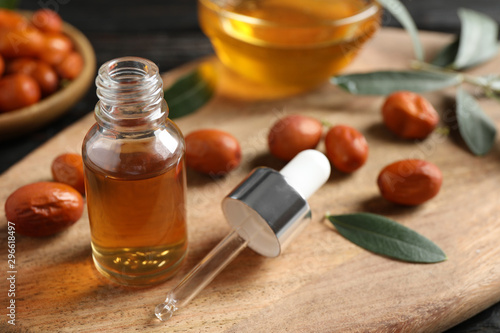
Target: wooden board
[{"x": 321, "y": 283}]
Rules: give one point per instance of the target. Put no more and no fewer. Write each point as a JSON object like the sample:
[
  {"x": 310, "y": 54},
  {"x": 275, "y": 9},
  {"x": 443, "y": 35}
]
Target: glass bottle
[{"x": 135, "y": 177}]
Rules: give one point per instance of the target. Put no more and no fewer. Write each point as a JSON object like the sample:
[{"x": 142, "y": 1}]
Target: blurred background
[{"x": 167, "y": 32}]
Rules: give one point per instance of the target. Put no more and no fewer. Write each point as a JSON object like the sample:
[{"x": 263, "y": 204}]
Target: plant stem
[
  {"x": 426, "y": 67},
  {"x": 482, "y": 82}
]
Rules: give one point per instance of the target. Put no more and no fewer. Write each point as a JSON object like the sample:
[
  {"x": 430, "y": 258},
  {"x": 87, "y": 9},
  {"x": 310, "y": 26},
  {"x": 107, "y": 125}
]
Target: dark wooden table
[{"x": 167, "y": 32}]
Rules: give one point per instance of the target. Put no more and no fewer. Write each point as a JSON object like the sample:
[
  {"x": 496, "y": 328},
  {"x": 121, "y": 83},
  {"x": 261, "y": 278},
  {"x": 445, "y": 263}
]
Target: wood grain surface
[{"x": 321, "y": 283}]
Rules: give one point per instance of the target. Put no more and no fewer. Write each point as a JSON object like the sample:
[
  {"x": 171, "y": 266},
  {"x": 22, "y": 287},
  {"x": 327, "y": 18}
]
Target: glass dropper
[
  {"x": 201, "y": 275},
  {"x": 266, "y": 210}
]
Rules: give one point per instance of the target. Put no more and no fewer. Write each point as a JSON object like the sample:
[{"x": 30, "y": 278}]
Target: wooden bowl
[{"x": 17, "y": 122}]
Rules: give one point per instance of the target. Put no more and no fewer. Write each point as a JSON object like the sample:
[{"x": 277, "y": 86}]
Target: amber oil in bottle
[{"x": 135, "y": 177}]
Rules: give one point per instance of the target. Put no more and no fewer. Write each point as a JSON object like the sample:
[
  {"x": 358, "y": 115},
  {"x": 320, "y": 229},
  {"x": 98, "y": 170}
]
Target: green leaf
[
  {"x": 9, "y": 4},
  {"x": 476, "y": 128},
  {"x": 384, "y": 236},
  {"x": 447, "y": 55},
  {"x": 189, "y": 93},
  {"x": 386, "y": 82},
  {"x": 399, "y": 11},
  {"x": 478, "y": 39}
]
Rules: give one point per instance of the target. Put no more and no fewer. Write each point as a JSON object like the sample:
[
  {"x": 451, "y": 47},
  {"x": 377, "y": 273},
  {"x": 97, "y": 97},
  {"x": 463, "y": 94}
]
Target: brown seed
[
  {"x": 346, "y": 148},
  {"x": 44, "y": 208},
  {"x": 24, "y": 65},
  {"x": 212, "y": 151},
  {"x": 10, "y": 19},
  {"x": 26, "y": 41},
  {"x": 410, "y": 182},
  {"x": 47, "y": 20},
  {"x": 17, "y": 91},
  {"x": 44, "y": 75},
  {"x": 56, "y": 48},
  {"x": 68, "y": 169},
  {"x": 2, "y": 65},
  {"x": 409, "y": 115},
  {"x": 293, "y": 134},
  {"x": 71, "y": 66}
]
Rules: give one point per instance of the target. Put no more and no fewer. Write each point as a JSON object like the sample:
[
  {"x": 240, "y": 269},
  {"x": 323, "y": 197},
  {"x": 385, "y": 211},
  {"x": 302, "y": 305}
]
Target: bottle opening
[
  {"x": 130, "y": 70},
  {"x": 129, "y": 88}
]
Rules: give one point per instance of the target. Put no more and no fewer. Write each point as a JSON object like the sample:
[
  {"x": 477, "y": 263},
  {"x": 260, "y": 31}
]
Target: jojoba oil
[{"x": 135, "y": 177}]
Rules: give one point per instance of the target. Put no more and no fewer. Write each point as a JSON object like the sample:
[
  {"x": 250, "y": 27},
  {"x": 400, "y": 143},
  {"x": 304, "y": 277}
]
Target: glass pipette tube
[{"x": 201, "y": 275}]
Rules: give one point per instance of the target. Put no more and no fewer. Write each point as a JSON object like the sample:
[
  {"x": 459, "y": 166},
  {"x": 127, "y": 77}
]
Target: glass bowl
[{"x": 288, "y": 43}]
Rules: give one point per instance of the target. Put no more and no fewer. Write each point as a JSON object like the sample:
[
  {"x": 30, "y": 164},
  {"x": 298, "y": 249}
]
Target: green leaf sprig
[
  {"x": 476, "y": 44},
  {"x": 384, "y": 236},
  {"x": 386, "y": 82},
  {"x": 190, "y": 92},
  {"x": 479, "y": 35},
  {"x": 399, "y": 11},
  {"x": 478, "y": 141}
]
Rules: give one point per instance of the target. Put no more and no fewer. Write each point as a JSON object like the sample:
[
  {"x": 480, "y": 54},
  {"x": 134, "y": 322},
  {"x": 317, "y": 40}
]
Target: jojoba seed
[
  {"x": 24, "y": 65},
  {"x": 44, "y": 75},
  {"x": 71, "y": 66},
  {"x": 292, "y": 134},
  {"x": 43, "y": 208},
  {"x": 17, "y": 91},
  {"x": 10, "y": 20},
  {"x": 2, "y": 65},
  {"x": 26, "y": 41},
  {"x": 409, "y": 115},
  {"x": 410, "y": 182},
  {"x": 47, "y": 20},
  {"x": 68, "y": 169},
  {"x": 212, "y": 151},
  {"x": 56, "y": 48},
  {"x": 346, "y": 148}
]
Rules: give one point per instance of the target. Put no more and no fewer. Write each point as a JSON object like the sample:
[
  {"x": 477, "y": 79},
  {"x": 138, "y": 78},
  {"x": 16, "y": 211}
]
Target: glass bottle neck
[{"x": 130, "y": 92}]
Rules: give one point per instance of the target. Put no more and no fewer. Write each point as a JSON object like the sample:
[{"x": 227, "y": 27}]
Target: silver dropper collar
[
  {"x": 266, "y": 211},
  {"x": 268, "y": 208}
]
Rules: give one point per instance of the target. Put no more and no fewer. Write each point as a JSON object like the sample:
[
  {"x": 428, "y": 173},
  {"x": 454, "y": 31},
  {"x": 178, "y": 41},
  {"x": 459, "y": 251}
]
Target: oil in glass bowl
[{"x": 294, "y": 43}]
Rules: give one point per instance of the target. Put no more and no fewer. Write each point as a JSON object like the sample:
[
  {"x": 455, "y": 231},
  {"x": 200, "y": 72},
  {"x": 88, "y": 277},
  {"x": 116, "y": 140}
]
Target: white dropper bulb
[{"x": 307, "y": 172}]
